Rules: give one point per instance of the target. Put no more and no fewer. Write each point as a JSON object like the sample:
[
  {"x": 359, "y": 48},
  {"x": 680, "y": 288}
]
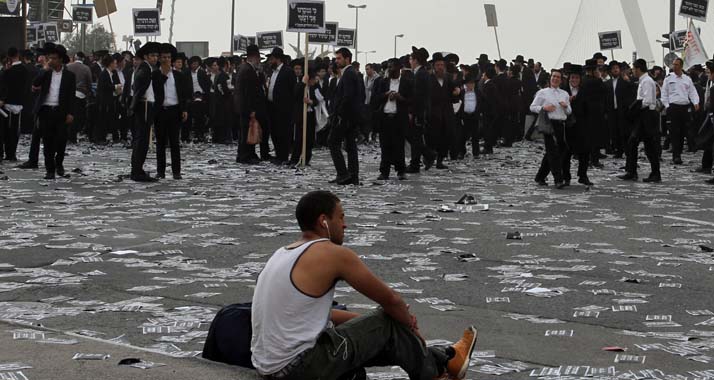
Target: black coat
[
  {"x": 406, "y": 91},
  {"x": 68, "y": 86},
  {"x": 126, "y": 91},
  {"x": 422, "y": 91},
  {"x": 13, "y": 83},
  {"x": 284, "y": 90},
  {"x": 158, "y": 80},
  {"x": 204, "y": 81},
  {"x": 626, "y": 93},
  {"x": 142, "y": 81},
  {"x": 593, "y": 94},
  {"x": 251, "y": 96},
  {"x": 441, "y": 109},
  {"x": 514, "y": 90},
  {"x": 500, "y": 94},
  {"x": 348, "y": 97},
  {"x": 105, "y": 89}
]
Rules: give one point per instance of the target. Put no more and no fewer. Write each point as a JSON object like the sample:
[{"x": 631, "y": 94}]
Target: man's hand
[
  {"x": 564, "y": 104},
  {"x": 252, "y": 115},
  {"x": 549, "y": 108},
  {"x": 696, "y": 107},
  {"x": 36, "y": 88},
  {"x": 2, "y": 104},
  {"x": 69, "y": 119},
  {"x": 184, "y": 116},
  {"x": 457, "y": 91}
]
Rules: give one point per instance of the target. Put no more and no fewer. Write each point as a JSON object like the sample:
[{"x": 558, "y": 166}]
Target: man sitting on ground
[{"x": 297, "y": 335}]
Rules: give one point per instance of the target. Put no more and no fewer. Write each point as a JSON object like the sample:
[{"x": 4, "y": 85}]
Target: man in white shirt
[
  {"x": 678, "y": 95},
  {"x": 554, "y": 102},
  {"x": 646, "y": 127},
  {"x": 469, "y": 117}
]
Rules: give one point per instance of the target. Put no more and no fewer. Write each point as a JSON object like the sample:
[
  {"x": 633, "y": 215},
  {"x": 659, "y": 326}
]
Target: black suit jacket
[
  {"x": 347, "y": 102},
  {"x": 421, "y": 101},
  {"x": 250, "y": 93},
  {"x": 284, "y": 90},
  {"x": 68, "y": 86},
  {"x": 220, "y": 86},
  {"x": 626, "y": 93},
  {"x": 501, "y": 97},
  {"x": 406, "y": 90},
  {"x": 142, "y": 81},
  {"x": 126, "y": 91},
  {"x": 13, "y": 84},
  {"x": 204, "y": 81},
  {"x": 158, "y": 80},
  {"x": 105, "y": 89}
]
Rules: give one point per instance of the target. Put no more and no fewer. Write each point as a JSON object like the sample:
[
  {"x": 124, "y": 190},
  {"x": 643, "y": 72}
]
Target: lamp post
[
  {"x": 356, "y": 8},
  {"x": 395, "y": 43},
  {"x": 233, "y": 23},
  {"x": 366, "y": 60}
]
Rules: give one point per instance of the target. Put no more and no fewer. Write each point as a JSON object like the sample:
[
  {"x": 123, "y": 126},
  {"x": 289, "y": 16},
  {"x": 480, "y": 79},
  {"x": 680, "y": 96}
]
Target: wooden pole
[
  {"x": 111, "y": 28},
  {"x": 498, "y": 46},
  {"x": 306, "y": 94}
]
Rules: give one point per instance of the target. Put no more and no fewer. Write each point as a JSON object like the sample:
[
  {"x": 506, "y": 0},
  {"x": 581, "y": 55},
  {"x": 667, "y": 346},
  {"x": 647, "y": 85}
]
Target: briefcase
[{"x": 543, "y": 123}]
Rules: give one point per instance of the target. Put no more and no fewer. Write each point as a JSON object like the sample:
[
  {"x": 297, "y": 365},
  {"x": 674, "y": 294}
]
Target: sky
[{"x": 535, "y": 28}]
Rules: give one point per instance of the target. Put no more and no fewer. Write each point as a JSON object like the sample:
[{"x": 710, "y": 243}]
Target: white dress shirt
[
  {"x": 170, "y": 95},
  {"x": 52, "y": 99},
  {"x": 707, "y": 95},
  {"x": 368, "y": 85},
  {"x": 196, "y": 85},
  {"x": 552, "y": 97},
  {"x": 614, "y": 91},
  {"x": 273, "y": 79},
  {"x": 647, "y": 92},
  {"x": 390, "y": 107},
  {"x": 470, "y": 102},
  {"x": 679, "y": 90}
]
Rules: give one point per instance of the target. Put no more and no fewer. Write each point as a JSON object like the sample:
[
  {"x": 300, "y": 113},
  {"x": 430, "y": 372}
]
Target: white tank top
[{"x": 286, "y": 322}]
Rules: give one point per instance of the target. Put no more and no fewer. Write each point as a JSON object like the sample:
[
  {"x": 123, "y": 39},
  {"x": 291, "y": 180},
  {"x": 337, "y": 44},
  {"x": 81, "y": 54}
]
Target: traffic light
[{"x": 668, "y": 38}]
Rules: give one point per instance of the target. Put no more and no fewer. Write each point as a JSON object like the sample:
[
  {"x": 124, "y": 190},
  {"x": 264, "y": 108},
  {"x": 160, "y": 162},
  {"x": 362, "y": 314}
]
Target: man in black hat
[
  {"x": 84, "y": 91},
  {"x": 393, "y": 95},
  {"x": 646, "y": 126},
  {"x": 251, "y": 101},
  {"x": 599, "y": 59},
  {"x": 12, "y": 84},
  {"x": 443, "y": 94},
  {"x": 56, "y": 88},
  {"x": 469, "y": 115},
  {"x": 281, "y": 95},
  {"x": 501, "y": 103},
  {"x": 198, "y": 108},
  {"x": 142, "y": 109},
  {"x": 593, "y": 95},
  {"x": 346, "y": 107},
  {"x": 620, "y": 94},
  {"x": 708, "y": 155},
  {"x": 221, "y": 98},
  {"x": 419, "y": 112},
  {"x": 171, "y": 103},
  {"x": 519, "y": 61}
]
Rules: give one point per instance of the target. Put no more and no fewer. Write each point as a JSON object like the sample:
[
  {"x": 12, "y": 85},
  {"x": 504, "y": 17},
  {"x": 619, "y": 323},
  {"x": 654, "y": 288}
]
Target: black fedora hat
[
  {"x": 591, "y": 64},
  {"x": 575, "y": 69},
  {"x": 148, "y": 48},
  {"x": 420, "y": 53},
  {"x": 599, "y": 55},
  {"x": 453, "y": 58},
  {"x": 167, "y": 48},
  {"x": 519, "y": 59},
  {"x": 252, "y": 50},
  {"x": 51, "y": 48},
  {"x": 483, "y": 59},
  {"x": 501, "y": 64},
  {"x": 277, "y": 53},
  {"x": 436, "y": 57}
]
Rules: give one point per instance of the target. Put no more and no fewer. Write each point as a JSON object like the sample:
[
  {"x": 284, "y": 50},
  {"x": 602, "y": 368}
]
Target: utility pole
[
  {"x": 671, "y": 16},
  {"x": 233, "y": 23},
  {"x": 356, "y": 8},
  {"x": 171, "y": 24},
  {"x": 83, "y": 46}
]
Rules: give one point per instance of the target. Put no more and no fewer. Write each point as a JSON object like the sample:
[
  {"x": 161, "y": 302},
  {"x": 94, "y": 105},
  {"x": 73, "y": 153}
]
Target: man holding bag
[
  {"x": 553, "y": 107},
  {"x": 251, "y": 103}
]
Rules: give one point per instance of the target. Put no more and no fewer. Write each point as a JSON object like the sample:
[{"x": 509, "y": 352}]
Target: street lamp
[
  {"x": 366, "y": 60},
  {"x": 395, "y": 43},
  {"x": 356, "y": 8}
]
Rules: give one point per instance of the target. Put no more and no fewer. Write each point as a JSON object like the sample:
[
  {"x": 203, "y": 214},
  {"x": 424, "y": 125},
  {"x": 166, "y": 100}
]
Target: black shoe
[
  {"x": 334, "y": 180},
  {"x": 382, "y": 177},
  {"x": 428, "y": 162},
  {"x": 160, "y": 175},
  {"x": 27, "y": 165},
  {"x": 598, "y": 165},
  {"x": 461, "y": 156},
  {"x": 566, "y": 183},
  {"x": 702, "y": 170},
  {"x": 617, "y": 156},
  {"x": 628, "y": 177},
  {"x": 250, "y": 161},
  {"x": 267, "y": 158},
  {"x": 177, "y": 176},
  {"x": 348, "y": 180},
  {"x": 441, "y": 166},
  {"x": 11, "y": 159},
  {"x": 402, "y": 176},
  {"x": 677, "y": 161},
  {"x": 653, "y": 179},
  {"x": 488, "y": 151},
  {"x": 560, "y": 185},
  {"x": 710, "y": 181},
  {"x": 541, "y": 182},
  {"x": 142, "y": 178},
  {"x": 413, "y": 169},
  {"x": 585, "y": 181},
  {"x": 60, "y": 171},
  {"x": 49, "y": 175}
]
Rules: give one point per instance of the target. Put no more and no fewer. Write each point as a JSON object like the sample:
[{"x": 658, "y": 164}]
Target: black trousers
[
  {"x": 456, "y": 137},
  {"x": 491, "y": 130},
  {"x": 583, "y": 163},
  {"x": 197, "y": 112},
  {"x": 647, "y": 130},
  {"x": 391, "y": 143},
  {"x": 54, "y": 136},
  {"x": 106, "y": 123},
  {"x": 439, "y": 131},
  {"x": 245, "y": 151},
  {"x": 143, "y": 120},
  {"x": 415, "y": 137},
  {"x": 555, "y": 153},
  {"x": 679, "y": 120},
  {"x": 708, "y": 157},
  {"x": 80, "y": 119},
  {"x": 124, "y": 122},
  {"x": 168, "y": 129},
  {"x": 344, "y": 131},
  {"x": 470, "y": 132},
  {"x": 10, "y": 135},
  {"x": 309, "y": 142},
  {"x": 281, "y": 131},
  {"x": 619, "y": 130}
]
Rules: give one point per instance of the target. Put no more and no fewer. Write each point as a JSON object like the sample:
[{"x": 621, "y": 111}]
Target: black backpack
[{"x": 229, "y": 337}]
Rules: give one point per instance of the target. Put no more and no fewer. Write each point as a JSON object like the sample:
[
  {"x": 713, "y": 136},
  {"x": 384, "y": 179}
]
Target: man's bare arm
[{"x": 339, "y": 317}]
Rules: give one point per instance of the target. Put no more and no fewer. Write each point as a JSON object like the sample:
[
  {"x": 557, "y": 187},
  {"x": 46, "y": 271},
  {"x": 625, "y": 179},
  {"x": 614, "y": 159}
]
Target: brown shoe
[{"x": 459, "y": 364}]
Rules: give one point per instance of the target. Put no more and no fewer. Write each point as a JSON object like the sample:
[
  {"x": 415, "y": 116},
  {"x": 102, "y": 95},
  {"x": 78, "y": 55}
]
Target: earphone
[{"x": 324, "y": 223}]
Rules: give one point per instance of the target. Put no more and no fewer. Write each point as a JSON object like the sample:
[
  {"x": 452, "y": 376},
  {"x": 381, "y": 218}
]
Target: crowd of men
[{"x": 445, "y": 110}]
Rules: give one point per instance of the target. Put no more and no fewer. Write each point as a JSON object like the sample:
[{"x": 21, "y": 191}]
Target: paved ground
[{"x": 96, "y": 266}]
